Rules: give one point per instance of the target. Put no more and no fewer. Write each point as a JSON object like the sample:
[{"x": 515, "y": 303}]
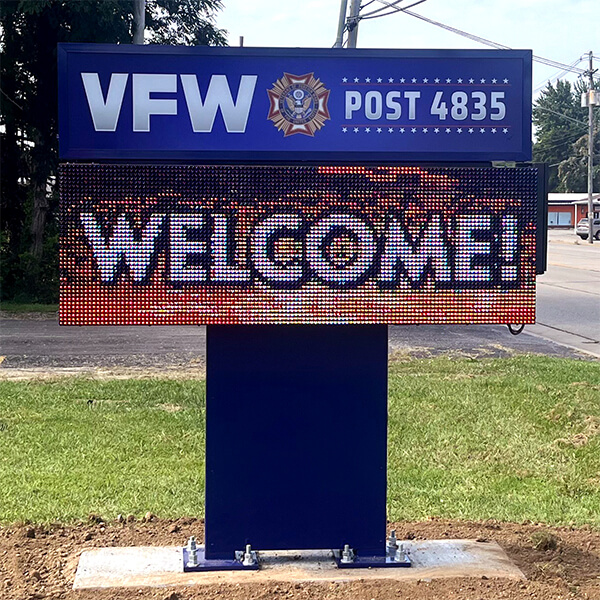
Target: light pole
[
  {"x": 341, "y": 24},
  {"x": 139, "y": 21},
  {"x": 591, "y": 100},
  {"x": 353, "y": 23}
]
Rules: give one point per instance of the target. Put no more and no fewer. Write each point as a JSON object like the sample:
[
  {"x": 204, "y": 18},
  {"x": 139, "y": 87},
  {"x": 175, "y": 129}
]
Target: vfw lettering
[
  {"x": 105, "y": 109},
  {"x": 284, "y": 250}
]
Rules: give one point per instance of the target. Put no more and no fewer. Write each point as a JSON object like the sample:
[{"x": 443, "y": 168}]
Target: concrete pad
[{"x": 163, "y": 566}]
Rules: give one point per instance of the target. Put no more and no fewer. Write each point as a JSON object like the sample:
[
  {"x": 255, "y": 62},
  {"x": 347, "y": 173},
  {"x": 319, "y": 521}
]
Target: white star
[
  {"x": 493, "y": 130},
  {"x": 367, "y": 130},
  {"x": 436, "y": 130},
  {"x": 459, "y": 130},
  {"x": 505, "y": 80},
  {"x": 356, "y": 130},
  {"x": 345, "y": 79},
  {"x": 390, "y": 80},
  {"x": 470, "y": 130},
  {"x": 414, "y": 80},
  {"x": 482, "y": 80},
  {"x": 368, "y": 79},
  {"x": 425, "y": 130},
  {"x": 494, "y": 80},
  {"x": 459, "y": 80},
  {"x": 437, "y": 80},
  {"x": 356, "y": 80},
  {"x": 447, "y": 130},
  {"x": 505, "y": 130},
  {"x": 344, "y": 129},
  {"x": 425, "y": 80},
  {"x": 413, "y": 130},
  {"x": 401, "y": 129},
  {"x": 482, "y": 130},
  {"x": 471, "y": 80},
  {"x": 379, "y": 80},
  {"x": 448, "y": 80},
  {"x": 390, "y": 130},
  {"x": 379, "y": 130},
  {"x": 402, "y": 80}
]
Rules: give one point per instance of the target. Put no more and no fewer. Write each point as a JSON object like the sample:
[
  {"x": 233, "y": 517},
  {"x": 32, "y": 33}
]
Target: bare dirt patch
[
  {"x": 195, "y": 371},
  {"x": 39, "y": 562}
]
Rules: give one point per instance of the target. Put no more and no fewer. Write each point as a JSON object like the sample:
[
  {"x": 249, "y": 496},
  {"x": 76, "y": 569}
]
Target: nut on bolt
[
  {"x": 401, "y": 554},
  {"x": 249, "y": 559},
  {"x": 392, "y": 544},
  {"x": 192, "y": 549},
  {"x": 347, "y": 554}
]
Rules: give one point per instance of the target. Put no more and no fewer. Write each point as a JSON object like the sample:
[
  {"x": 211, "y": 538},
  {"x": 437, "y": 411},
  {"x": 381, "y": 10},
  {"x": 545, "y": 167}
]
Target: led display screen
[{"x": 190, "y": 244}]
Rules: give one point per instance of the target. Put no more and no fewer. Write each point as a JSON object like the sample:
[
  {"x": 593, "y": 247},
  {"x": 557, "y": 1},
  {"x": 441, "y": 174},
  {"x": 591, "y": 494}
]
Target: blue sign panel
[{"x": 264, "y": 104}]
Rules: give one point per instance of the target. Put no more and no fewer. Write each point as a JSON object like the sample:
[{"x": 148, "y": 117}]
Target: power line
[
  {"x": 560, "y": 115},
  {"x": 367, "y": 4},
  {"x": 476, "y": 38},
  {"x": 391, "y": 12},
  {"x": 556, "y": 75},
  {"x": 479, "y": 39},
  {"x": 377, "y": 10},
  {"x": 569, "y": 139}
]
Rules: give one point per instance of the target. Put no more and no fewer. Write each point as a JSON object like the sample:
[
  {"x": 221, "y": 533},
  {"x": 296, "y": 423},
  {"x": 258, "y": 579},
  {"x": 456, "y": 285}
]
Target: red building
[{"x": 565, "y": 210}]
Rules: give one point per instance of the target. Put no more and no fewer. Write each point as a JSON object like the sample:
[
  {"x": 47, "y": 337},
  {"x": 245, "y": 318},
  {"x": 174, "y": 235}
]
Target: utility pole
[
  {"x": 591, "y": 101},
  {"x": 139, "y": 21},
  {"x": 341, "y": 24},
  {"x": 353, "y": 23}
]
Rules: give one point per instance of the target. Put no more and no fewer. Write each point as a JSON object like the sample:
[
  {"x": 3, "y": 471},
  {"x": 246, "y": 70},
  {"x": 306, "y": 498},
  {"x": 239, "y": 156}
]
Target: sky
[{"x": 560, "y": 30}]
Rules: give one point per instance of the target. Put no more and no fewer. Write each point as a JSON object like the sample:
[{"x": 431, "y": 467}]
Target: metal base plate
[
  {"x": 366, "y": 562},
  {"x": 360, "y": 562},
  {"x": 205, "y": 564}
]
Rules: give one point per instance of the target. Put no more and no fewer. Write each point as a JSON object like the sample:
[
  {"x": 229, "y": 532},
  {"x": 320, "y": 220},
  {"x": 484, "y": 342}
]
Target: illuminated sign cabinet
[
  {"x": 296, "y": 202},
  {"x": 257, "y": 104}
]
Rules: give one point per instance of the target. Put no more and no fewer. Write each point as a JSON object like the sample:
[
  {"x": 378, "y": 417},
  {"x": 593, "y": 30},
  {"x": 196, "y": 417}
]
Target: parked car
[{"x": 583, "y": 229}]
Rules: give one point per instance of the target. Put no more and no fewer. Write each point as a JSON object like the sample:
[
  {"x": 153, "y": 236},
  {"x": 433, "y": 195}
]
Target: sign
[
  {"x": 279, "y": 105},
  {"x": 160, "y": 244}
]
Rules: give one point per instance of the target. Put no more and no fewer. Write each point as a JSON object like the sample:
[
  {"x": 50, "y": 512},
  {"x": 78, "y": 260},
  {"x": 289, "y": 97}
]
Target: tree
[
  {"x": 184, "y": 22},
  {"x": 29, "y": 33},
  {"x": 561, "y": 130},
  {"x": 573, "y": 171},
  {"x": 559, "y": 122}
]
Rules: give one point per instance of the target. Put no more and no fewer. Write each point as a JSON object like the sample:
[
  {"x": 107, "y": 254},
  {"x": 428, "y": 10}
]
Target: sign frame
[{"x": 241, "y": 417}]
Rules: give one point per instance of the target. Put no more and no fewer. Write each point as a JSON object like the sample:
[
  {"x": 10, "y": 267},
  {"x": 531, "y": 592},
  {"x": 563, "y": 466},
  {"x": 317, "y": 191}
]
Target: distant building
[{"x": 565, "y": 210}]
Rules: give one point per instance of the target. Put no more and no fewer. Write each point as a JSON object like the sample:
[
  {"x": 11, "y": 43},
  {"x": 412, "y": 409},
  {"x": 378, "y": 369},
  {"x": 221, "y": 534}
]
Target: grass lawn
[
  {"x": 17, "y": 307},
  {"x": 509, "y": 439}
]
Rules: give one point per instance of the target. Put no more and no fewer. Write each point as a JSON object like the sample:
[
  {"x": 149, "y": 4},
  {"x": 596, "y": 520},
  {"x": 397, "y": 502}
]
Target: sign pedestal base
[{"x": 296, "y": 438}]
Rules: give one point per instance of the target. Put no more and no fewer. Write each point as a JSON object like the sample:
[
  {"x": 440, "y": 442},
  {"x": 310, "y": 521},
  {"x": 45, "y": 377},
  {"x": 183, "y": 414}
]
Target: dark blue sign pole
[{"x": 296, "y": 438}]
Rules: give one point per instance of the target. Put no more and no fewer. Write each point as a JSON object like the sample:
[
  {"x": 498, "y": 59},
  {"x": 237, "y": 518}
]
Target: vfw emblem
[{"x": 298, "y": 104}]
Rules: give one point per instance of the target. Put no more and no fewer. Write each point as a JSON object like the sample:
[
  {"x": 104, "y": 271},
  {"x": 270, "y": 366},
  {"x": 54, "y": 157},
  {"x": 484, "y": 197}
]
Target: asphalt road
[
  {"x": 43, "y": 344},
  {"x": 568, "y": 325},
  {"x": 568, "y": 294}
]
